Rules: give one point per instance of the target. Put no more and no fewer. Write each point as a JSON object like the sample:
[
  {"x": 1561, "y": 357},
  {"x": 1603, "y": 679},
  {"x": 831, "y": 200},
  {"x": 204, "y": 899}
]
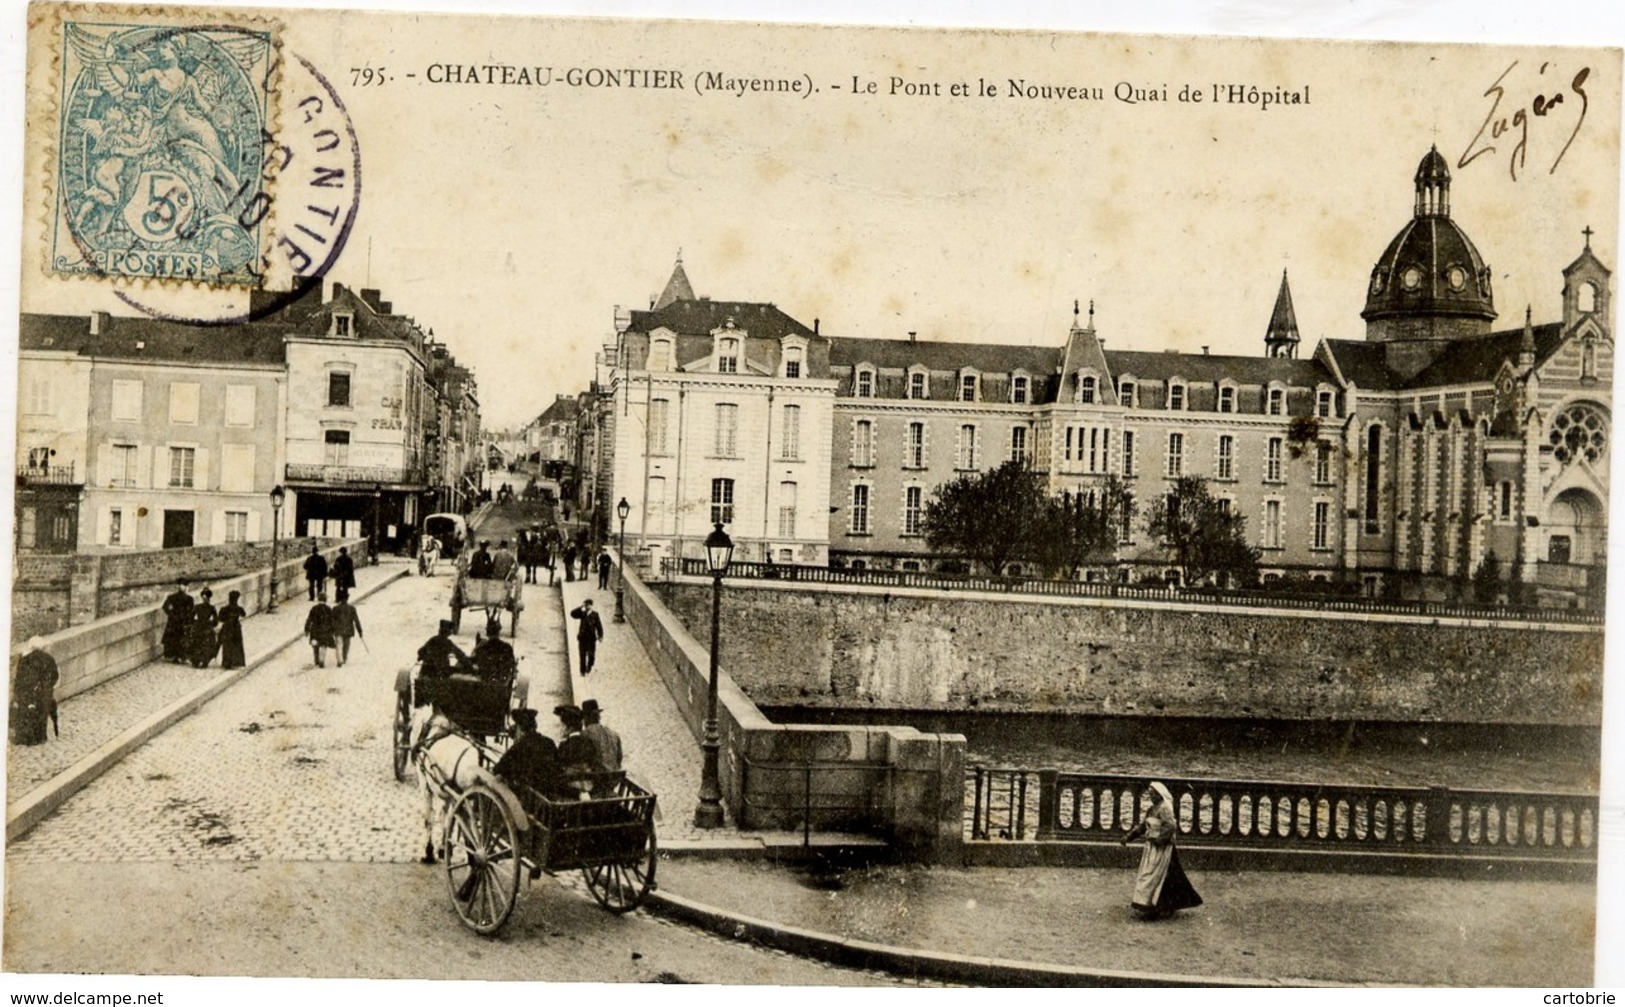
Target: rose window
[{"x": 1579, "y": 431}]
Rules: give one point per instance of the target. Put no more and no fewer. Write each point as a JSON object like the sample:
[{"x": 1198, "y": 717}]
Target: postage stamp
[{"x": 161, "y": 151}]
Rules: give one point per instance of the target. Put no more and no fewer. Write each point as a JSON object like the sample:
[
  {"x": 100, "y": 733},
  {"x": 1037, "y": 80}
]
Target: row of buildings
[
  {"x": 141, "y": 433},
  {"x": 1437, "y": 439}
]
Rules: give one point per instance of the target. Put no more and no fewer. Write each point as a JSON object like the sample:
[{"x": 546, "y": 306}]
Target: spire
[
  {"x": 1282, "y": 338},
  {"x": 677, "y": 288}
]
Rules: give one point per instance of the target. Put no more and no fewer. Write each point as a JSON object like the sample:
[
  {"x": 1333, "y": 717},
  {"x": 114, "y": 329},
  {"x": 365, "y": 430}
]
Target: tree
[
  {"x": 1487, "y": 579},
  {"x": 1205, "y": 536},
  {"x": 989, "y": 517},
  {"x": 1080, "y": 529}
]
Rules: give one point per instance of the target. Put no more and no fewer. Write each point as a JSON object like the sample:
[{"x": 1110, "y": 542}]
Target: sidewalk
[{"x": 102, "y": 723}]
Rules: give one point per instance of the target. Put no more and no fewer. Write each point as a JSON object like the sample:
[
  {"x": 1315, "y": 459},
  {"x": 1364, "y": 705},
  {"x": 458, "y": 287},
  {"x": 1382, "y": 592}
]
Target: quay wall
[{"x": 909, "y": 648}]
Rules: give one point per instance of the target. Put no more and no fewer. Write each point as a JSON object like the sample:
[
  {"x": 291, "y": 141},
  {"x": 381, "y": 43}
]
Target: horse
[{"x": 447, "y": 764}]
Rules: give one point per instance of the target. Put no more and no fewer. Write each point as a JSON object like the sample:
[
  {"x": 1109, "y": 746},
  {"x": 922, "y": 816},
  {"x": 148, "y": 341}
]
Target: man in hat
[
  {"x": 33, "y": 694},
  {"x": 343, "y": 573},
  {"x": 588, "y": 634},
  {"x": 346, "y": 624},
  {"x": 493, "y": 656},
  {"x": 503, "y": 562},
  {"x": 177, "y": 622},
  {"x": 316, "y": 573},
  {"x": 578, "y": 759},
  {"x": 605, "y": 564},
  {"x": 605, "y": 741},
  {"x": 319, "y": 631},
  {"x": 440, "y": 654},
  {"x": 532, "y": 760},
  {"x": 481, "y": 564}
]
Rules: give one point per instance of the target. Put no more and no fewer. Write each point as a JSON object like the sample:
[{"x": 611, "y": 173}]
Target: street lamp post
[
  {"x": 278, "y": 495},
  {"x": 377, "y": 506},
  {"x": 622, "y": 509},
  {"x": 719, "y": 549}
]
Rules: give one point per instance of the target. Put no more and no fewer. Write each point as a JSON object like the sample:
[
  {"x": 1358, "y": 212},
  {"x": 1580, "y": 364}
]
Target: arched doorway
[{"x": 1576, "y": 528}]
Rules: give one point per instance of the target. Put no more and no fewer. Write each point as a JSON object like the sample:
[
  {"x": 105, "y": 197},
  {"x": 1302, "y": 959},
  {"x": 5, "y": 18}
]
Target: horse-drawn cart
[
  {"x": 493, "y": 831},
  {"x": 489, "y": 594}
]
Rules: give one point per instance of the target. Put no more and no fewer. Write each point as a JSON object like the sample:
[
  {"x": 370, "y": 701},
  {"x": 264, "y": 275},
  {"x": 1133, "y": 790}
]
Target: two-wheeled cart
[{"x": 487, "y": 593}]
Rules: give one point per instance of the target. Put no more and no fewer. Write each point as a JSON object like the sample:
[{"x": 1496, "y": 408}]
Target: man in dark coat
[
  {"x": 343, "y": 571},
  {"x": 346, "y": 625},
  {"x": 604, "y": 565},
  {"x": 481, "y": 564},
  {"x": 493, "y": 656},
  {"x": 604, "y": 740},
  {"x": 532, "y": 760},
  {"x": 570, "y": 561},
  {"x": 319, "y": 630},
  {"x": 588, "y": 634},
  {"x": 316, "y": 573},
  {"x": 578, "y": 759},
  {"x": 440, "y": 654},
  {"x": 33, "y": 694},
  {"x": 177, "y": 623}
]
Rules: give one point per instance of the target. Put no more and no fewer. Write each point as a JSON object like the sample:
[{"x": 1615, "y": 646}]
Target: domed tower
[{"x": 1430, "y": 282}]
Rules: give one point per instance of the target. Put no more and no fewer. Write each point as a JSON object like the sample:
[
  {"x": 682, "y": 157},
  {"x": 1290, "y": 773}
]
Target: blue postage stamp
[{"x": 162, "y": 144}]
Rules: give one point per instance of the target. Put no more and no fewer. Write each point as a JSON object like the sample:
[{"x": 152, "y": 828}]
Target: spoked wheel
[
  {"x": 513, "y": 623},
  {"x": 403, "y": 733},
  {"x": 482, "y": 861},
  {"x": 621, "y": 888}
]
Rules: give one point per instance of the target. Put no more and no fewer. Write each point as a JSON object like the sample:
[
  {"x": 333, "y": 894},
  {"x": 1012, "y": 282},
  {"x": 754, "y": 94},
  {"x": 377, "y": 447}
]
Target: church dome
[{"x": 1430, "y": 273}]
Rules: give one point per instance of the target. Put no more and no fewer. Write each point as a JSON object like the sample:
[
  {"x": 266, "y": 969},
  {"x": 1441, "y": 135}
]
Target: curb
[
  {"x": 34, "y": 806},
  {"x": 917, "y": 964}
]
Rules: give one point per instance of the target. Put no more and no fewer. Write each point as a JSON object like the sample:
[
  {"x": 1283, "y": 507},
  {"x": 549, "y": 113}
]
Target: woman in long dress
[
  {"x": 231, "y": 632},
  {"x": 1161, "y": 887},
  {"x": 200, "y": 641}
]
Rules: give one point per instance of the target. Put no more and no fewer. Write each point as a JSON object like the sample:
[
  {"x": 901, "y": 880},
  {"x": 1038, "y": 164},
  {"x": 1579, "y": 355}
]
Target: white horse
[{"x": 447, "y": 763}]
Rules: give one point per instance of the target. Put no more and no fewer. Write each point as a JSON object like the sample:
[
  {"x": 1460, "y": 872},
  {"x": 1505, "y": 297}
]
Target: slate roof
[
  {"x": 563, "y": 410},
  {"x": 1477, "y": 360},
  {"x": 1212, "y": 368},
  {"x": 1364, "y": 364},
  {"x": 986, "y": 358},
  {"x": 149, "y": 339},
  {"x": 677, "y": 288},
  {"x": 699, "y": 317}
]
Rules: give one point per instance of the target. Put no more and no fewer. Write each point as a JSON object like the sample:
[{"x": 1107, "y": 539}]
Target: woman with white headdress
[{"x": 1161, "y": 887}]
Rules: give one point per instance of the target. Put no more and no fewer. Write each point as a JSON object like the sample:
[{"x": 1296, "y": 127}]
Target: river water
[{"x": 1494, "y": 757}]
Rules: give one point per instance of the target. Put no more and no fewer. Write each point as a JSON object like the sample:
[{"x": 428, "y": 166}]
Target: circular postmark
[{"x": 194, "y": 197}]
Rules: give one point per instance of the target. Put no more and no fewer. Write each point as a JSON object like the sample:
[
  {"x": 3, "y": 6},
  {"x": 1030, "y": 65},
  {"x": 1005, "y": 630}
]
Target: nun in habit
[{"x": 1161, "y": 887}]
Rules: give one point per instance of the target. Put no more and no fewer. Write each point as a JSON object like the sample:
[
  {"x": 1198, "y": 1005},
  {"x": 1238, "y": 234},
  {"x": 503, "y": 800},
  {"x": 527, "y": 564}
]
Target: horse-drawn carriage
[
  {"x": 487, "y": 593},
  {"x": 492, "y": 830}
]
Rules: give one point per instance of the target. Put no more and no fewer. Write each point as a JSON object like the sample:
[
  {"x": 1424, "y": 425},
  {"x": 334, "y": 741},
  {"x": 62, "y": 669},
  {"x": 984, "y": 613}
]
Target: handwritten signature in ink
[{"x": 1499, "y": 127}]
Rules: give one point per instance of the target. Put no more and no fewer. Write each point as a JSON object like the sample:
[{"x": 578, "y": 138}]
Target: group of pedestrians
[
  {"x": 318, "y": 571},
  {"x": 195, "y": 631}
]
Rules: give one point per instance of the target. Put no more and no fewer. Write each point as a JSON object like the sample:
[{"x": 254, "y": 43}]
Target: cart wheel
[
  {"x": 513, "y": 624},
  {"x": 621, "y": 888},
  {"x": 403, "y": 732},
  {"x": 482, "y": 861}
]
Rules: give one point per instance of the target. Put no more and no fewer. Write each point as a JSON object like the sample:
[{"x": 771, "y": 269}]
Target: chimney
[
  {"x": 99, "y": 321},
  {"x": 373, "y": 299},
  {"x": 911, "y": 335},
  {"x": 1204, "y": 351},
  {"x": 815, "y": 326}
]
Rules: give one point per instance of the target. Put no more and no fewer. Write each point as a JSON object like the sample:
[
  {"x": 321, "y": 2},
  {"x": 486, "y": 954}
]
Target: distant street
[{"x": 268, "y": 833}]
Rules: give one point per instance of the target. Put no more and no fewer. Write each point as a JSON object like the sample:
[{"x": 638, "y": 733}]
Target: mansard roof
[
  {"x": 1203, "y": 367},
  {"x": 700, "y": 317},
  {"x": 985, "y": 358},
  {"x": 1466, "y": 360},
  {"x": 154, "y": 340},
  {"x": 1364, "y": 364}
]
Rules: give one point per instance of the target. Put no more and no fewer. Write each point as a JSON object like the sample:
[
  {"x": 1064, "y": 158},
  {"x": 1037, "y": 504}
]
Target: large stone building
[
  {"x": 139, "y": 433},
  {"x": 1401, "y": 460}
]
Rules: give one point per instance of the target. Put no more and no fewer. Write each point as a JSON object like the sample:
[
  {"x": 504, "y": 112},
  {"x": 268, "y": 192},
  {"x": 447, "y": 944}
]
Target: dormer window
[
  {"x": 660, "y": 355},
  {"x": 343, "y": 325},
  {"x": 1227, "y": 398},
  {"x": 1088, "y": 386},
  {"x": 1125, "y": 393},
  {"x": 967, "y": 388},
  {"x": 864, "y": 386},
  {"x": 1018, "y": 389},
  {"x": 1275, "y": 401},
  {"x": 917, "y": 386},
  {"x": 1176, "y": 396},
  {"x": 1325, "y": 403},
  {"x": 792, "y": 363},
  {"x": 728, "y": 356}
]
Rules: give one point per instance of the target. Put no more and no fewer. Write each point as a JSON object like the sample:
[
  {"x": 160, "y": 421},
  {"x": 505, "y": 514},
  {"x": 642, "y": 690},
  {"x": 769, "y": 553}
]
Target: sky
[{"x": 513, "y": 220}]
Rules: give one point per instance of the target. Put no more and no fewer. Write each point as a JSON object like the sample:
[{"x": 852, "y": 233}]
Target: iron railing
[
  {"x": 1254, "y": 814},
  {"x": 46, "y": 475},
  {"x": 696, "y": 567},
  {"x": 799, "y": 793}
]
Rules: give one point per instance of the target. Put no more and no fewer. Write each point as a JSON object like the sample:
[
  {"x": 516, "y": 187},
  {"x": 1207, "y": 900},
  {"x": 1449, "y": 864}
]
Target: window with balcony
[{"x": 722, "y": 501}]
